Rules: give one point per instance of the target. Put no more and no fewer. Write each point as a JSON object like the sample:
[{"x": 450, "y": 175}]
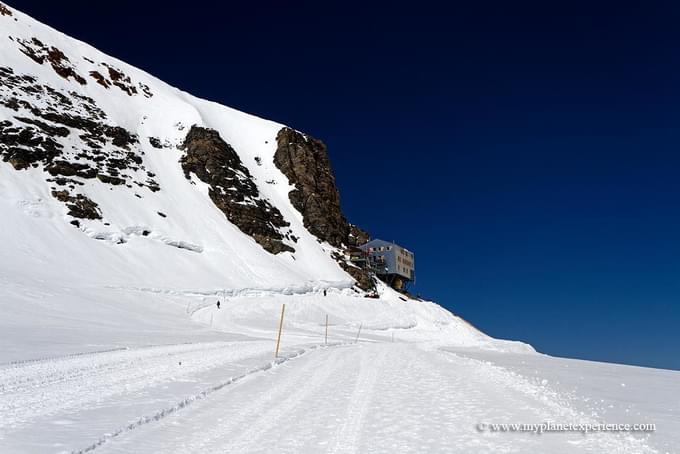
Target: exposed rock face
[
  {"x": 357, "y": 236},
  {"x": 40, "y": 53},
  {"x": 232, "y": 189},
  {"x": 117, "y": 78},
  {"x": 60, "y": 131},
  {"x": 69, "y": 137},
  {"x": 79, "y": 206},
  {"x": 4, "y": 11},
  {"x": 304, "y": 160},
  {"x": 365, "y": 280}
]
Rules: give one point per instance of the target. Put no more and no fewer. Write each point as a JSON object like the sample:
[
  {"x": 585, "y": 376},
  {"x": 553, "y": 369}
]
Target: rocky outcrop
[
  {"x": 78, "y": 205},
  {"x": 304, "y": 160},
  {"x": 70, "y": 138},
  {"x": 232, "y": 189},
  {"x": 4, "y": 11},
  {"x": 357, "y": 236},
  {"x": 365, "y": 280},
  {"x": 41, "y": 53},
  {"x": 117, "y": 78}
]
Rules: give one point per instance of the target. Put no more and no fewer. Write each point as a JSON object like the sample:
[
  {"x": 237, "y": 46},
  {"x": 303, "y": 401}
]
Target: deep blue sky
[{"x": 529, "y": 155}]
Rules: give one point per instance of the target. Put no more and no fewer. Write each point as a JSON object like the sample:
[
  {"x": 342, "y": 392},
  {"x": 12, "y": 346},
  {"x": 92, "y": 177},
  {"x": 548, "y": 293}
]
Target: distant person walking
[
  {"x": 218, "y": 304},
  {"x": 324, "y": 292}
]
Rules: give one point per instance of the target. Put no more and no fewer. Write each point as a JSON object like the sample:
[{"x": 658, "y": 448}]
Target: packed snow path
[
  {"x": 85, "y": 395},
  {"x": 363, "y": 398}
]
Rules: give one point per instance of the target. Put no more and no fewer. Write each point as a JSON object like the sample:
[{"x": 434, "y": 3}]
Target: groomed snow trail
[
  {"x": 371, "y": 398},
  {"x": 108, "y": 388}
]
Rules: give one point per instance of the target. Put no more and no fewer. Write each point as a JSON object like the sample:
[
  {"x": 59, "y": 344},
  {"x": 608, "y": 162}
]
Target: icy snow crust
[{"x": 110, "y": 338}]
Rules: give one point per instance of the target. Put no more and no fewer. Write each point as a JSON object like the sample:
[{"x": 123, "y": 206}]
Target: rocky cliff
[
  {"x": 112, "y": 153},
  {"x": 304, "y": 160},
  {"x": 232, "y": 189}
]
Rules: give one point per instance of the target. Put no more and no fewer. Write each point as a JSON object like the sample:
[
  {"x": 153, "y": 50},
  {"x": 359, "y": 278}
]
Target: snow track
[
  {"x": 52, "y": 386},
  {"x": 63, "y": 292},
  {"x": 159, "y": 415},
  {"x": 108, "y": 385},
  {"x": 371, "y": 398},
  {"x": 347, "y": 435}
]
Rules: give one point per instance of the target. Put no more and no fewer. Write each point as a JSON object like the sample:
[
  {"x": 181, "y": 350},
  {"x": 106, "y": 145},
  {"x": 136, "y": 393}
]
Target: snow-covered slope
[
  {"x": 129, "y": 208},
  {"x": 36, "y": 229},
  {"x": 107, "y": 187}
]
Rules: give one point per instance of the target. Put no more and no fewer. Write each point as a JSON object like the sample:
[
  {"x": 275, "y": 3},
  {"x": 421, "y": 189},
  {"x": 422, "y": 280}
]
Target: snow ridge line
[
  {"x": 142, "y": 421},
  {"x": 247, "y": 291}
]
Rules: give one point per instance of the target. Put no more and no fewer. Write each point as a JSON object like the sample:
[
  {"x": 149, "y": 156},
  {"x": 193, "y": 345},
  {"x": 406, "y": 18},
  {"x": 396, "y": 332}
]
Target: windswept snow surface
[
  {"x": 150, "y": 370},
  {"x": 110, "y": 340}
]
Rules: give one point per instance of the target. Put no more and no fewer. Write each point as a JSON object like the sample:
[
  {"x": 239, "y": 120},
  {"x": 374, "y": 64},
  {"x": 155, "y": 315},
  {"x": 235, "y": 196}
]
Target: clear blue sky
[{"x": 529, "y": 155}]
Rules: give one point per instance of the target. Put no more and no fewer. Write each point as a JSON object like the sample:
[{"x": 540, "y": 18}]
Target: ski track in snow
[
  {"x": 36, "y": 389},
  {"x": 61, "y": 290},
  {"x": 372, "y": 398},
  {"x": 161, "y": 414},
  {"x": 346, "y": 438}
]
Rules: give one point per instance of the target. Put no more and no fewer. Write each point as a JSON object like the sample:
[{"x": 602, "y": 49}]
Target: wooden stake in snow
[
  {"x": 358, "y": 332},
  {"x": 326, "y": 340},
  {"x": 278, "y": 339}
]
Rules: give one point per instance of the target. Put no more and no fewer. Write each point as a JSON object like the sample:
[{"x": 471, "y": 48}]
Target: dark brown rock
[
  {"x": 146, "y": 90},
  {"x": 79, "y": 206},
  {"x": 304, "y": 160},
  {"x": 357, "y": 236},
  {"x": 4, "y": 11},
  {"x": 24, "y": 147},
  {"x": 120, "y": 80},
  {"x": 101, "y": 80},
  {"x": 40, "y": 53},
  {"x": 48, "y": 115},
  {"x": 70, "y": 169},
  {"x": 365, "y": 280},
  {"x": 51, "y": 130},
  {"x": 110, "y": 179},
  {"x": 155, "y": 142},
  {"x": 232, "y": 189}
]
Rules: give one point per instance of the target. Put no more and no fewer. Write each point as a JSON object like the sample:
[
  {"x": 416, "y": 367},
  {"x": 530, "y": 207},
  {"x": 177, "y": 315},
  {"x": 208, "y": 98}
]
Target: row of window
[
  {"x": 406, "y": 253},
  {"x": 404, "y": 270},
  {"x": 403, "y": 252},
  {"x": 380, "y": 249},
  {"x": 407, "y": 263}
]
